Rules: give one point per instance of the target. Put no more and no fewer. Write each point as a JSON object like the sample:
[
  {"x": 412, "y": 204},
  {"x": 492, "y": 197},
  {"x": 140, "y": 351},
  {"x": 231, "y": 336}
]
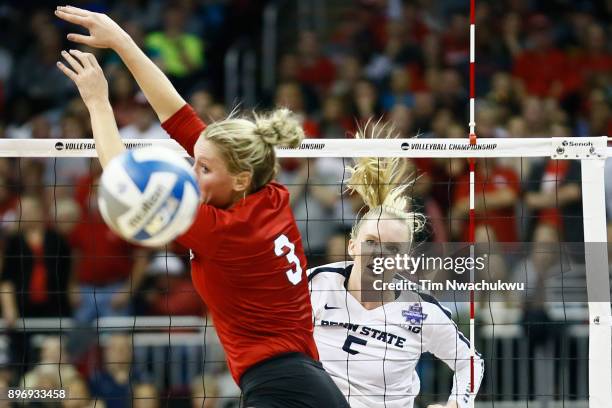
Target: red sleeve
[
  {"x": 462, "y": 188},
  {"x": 512, "y": 180},
  {"x": 212, "y": 225},
  {"x": 185, "y": 127}
]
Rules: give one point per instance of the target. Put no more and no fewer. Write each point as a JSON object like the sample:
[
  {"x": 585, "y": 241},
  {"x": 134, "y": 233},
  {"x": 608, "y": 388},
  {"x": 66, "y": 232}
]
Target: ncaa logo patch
[{"x": 414, "y": 314}]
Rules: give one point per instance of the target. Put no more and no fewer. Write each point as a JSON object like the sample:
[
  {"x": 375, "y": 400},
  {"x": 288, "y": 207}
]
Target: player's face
[
  {"x": 215, "y": 181},
  {"x": 378, "y": 238}
]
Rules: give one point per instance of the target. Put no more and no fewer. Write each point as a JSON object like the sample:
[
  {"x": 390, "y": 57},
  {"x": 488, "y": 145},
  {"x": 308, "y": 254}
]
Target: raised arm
[
  {"x": 105, "y": 33},
  {"x": 86, "y": 73}
]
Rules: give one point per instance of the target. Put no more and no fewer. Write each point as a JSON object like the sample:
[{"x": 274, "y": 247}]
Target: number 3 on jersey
[{"x": 282, "y": 242}]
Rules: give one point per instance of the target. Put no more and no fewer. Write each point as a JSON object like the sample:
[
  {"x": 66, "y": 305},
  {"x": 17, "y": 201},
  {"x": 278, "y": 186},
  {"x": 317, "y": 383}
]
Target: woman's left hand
[{"x": 87, "y": 74}]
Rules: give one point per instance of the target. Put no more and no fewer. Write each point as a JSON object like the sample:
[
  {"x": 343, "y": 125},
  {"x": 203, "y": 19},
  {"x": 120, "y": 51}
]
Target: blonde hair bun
[{"x": 279, "y": 128}]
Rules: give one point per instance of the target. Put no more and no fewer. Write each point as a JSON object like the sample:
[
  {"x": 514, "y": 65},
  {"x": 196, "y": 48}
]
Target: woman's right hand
[{"x": 103, "y": 31}]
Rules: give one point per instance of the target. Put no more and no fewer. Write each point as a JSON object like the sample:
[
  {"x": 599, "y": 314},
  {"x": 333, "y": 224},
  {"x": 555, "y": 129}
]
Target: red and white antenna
[{"x": 472, "y": 125}]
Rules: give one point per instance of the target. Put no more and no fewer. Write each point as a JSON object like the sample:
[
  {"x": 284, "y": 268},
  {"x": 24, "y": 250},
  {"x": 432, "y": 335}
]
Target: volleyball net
[{"x": 81, "y": 305}]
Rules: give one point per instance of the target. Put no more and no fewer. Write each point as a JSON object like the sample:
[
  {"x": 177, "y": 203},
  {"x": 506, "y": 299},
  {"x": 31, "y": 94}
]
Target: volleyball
[{"x": 148, "y": 196}]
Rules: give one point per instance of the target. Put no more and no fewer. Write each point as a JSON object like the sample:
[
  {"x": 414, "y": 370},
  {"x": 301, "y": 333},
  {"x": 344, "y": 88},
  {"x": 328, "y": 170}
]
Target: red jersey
[
  {"x": 104, "y": 257},
  {"x": 248, "y": 265},
  {"x": 502, "y": 220},
  {"x": 554, "y": 174}
]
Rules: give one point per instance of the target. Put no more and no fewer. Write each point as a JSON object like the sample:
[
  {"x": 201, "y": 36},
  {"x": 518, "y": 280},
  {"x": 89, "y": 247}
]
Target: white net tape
[{"x": 560, "y": 148}]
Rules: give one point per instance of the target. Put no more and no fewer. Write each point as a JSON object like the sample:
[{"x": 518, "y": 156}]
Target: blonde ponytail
[
  {"x": 248, "y": 145},
  {"x": 279, "y": 128},
  {"x": 381, "y": 182}
]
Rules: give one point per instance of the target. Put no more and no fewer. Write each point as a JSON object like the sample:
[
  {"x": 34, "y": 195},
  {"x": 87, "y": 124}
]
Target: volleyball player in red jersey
[{"x": 248, "y": 263}]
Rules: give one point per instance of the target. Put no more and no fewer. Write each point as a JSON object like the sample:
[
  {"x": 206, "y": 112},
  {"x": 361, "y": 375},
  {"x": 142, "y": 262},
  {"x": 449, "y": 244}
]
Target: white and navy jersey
[{"x": 372, "y": 354}]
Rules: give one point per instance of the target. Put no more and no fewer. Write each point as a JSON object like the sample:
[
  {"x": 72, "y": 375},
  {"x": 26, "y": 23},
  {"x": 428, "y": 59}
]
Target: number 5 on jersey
[{"x": 282, "y": 242}]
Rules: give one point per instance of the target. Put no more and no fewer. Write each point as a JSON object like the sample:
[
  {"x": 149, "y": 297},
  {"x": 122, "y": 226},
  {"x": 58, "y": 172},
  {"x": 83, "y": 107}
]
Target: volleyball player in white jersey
[{"x": 371, "y": 348}]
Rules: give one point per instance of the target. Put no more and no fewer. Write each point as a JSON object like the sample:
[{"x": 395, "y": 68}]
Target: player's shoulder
[
  {"x": 336, "y": 272},
  {"x": 271, "y": 196}
]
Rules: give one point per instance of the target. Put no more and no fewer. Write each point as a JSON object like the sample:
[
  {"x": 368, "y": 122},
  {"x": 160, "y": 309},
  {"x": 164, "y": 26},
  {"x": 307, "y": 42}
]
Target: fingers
[
  {"x": 80, "y": 38},
  {"x": 92, "y": 60},
  {"x": 67, "y": 71},
  {"x": 73, "y": 62},
  {"x": 72, "y": 18},
  {"x": 83, "y": 58},
  {"x": 74, "y": 10}
]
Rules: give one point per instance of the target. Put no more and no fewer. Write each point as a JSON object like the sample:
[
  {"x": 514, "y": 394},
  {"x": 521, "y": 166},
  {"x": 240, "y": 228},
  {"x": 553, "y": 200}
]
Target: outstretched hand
[
  {"x": 86, "y": 74},
  {"x": 103, "y": 31}
]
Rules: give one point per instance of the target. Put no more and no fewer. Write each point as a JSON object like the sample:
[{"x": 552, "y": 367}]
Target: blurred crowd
[{"x": 544, "y": 69}]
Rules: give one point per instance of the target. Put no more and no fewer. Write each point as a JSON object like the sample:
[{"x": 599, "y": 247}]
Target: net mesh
[{"x": 132, "y": 325}]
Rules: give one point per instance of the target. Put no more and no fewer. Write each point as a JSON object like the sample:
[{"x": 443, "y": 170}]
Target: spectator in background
[
  {"x": 145, "y": 124},
  {"x": 349, "y": 74},
  {"x": 65, "y": 214},
  {"x": 9, "y": 201},
  {"x": 289, "y": 95},
  {"x": 35, "y": 76},
  {"x": 456, "y": 42},
  {"x": 35, "y": 276},
  {"x": 335, "y": 123},
  {"x": 440, "y": 124},
  {"x": 31, "y": 174},
  {"x": 506, "y": 94},
  {"x": 336, "y": 246},
  {"x": 288, "y": 72},
  {"x": 496, "y": 196},
  {"x": 399, "y": 90},
  {"x": 400, "y": 51},
  {"x": 536, "y": 121},
  {"x": 201, "y": 100},
  {"x": 543, "y": 68},
  {"x": 598, "y": 119},
  {"x": 315, "y": 69},
  {"x": 487, "y": 118},
  {"x": 36, "y": 267},
  {"x": 595, "y": 59},
  {"x": 181, "y": 54},
  {"x": 62, "y": 174},
  {"x": 122, "y": 91},
  {"x": 109, "y": 270},
  {"x": 423, "y": 111},
  {"x": 553, "y": 194},
  {"x": 54, "y": 360},
  {"x": 217, "y": 112},
  {"x": 113, "y": 381},
  {"x": 516, "y": 127},
  {"x": 450, "y": 92},
  {"x": 75, "y": 107},
  {"x": 79, "y": 395},
  {"x": 365, "y": 103},
  {"x": 38, "y": 127},
  {"x": 145, "y": 395},
  {"x": 168, "y": 290},
  {"x": 401, "y": 119},
  {"x": 451, "y": 169}
]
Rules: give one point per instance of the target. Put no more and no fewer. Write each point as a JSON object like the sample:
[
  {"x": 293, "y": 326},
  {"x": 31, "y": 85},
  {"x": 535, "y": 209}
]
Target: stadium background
[{"x": 544, "y": 69}]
